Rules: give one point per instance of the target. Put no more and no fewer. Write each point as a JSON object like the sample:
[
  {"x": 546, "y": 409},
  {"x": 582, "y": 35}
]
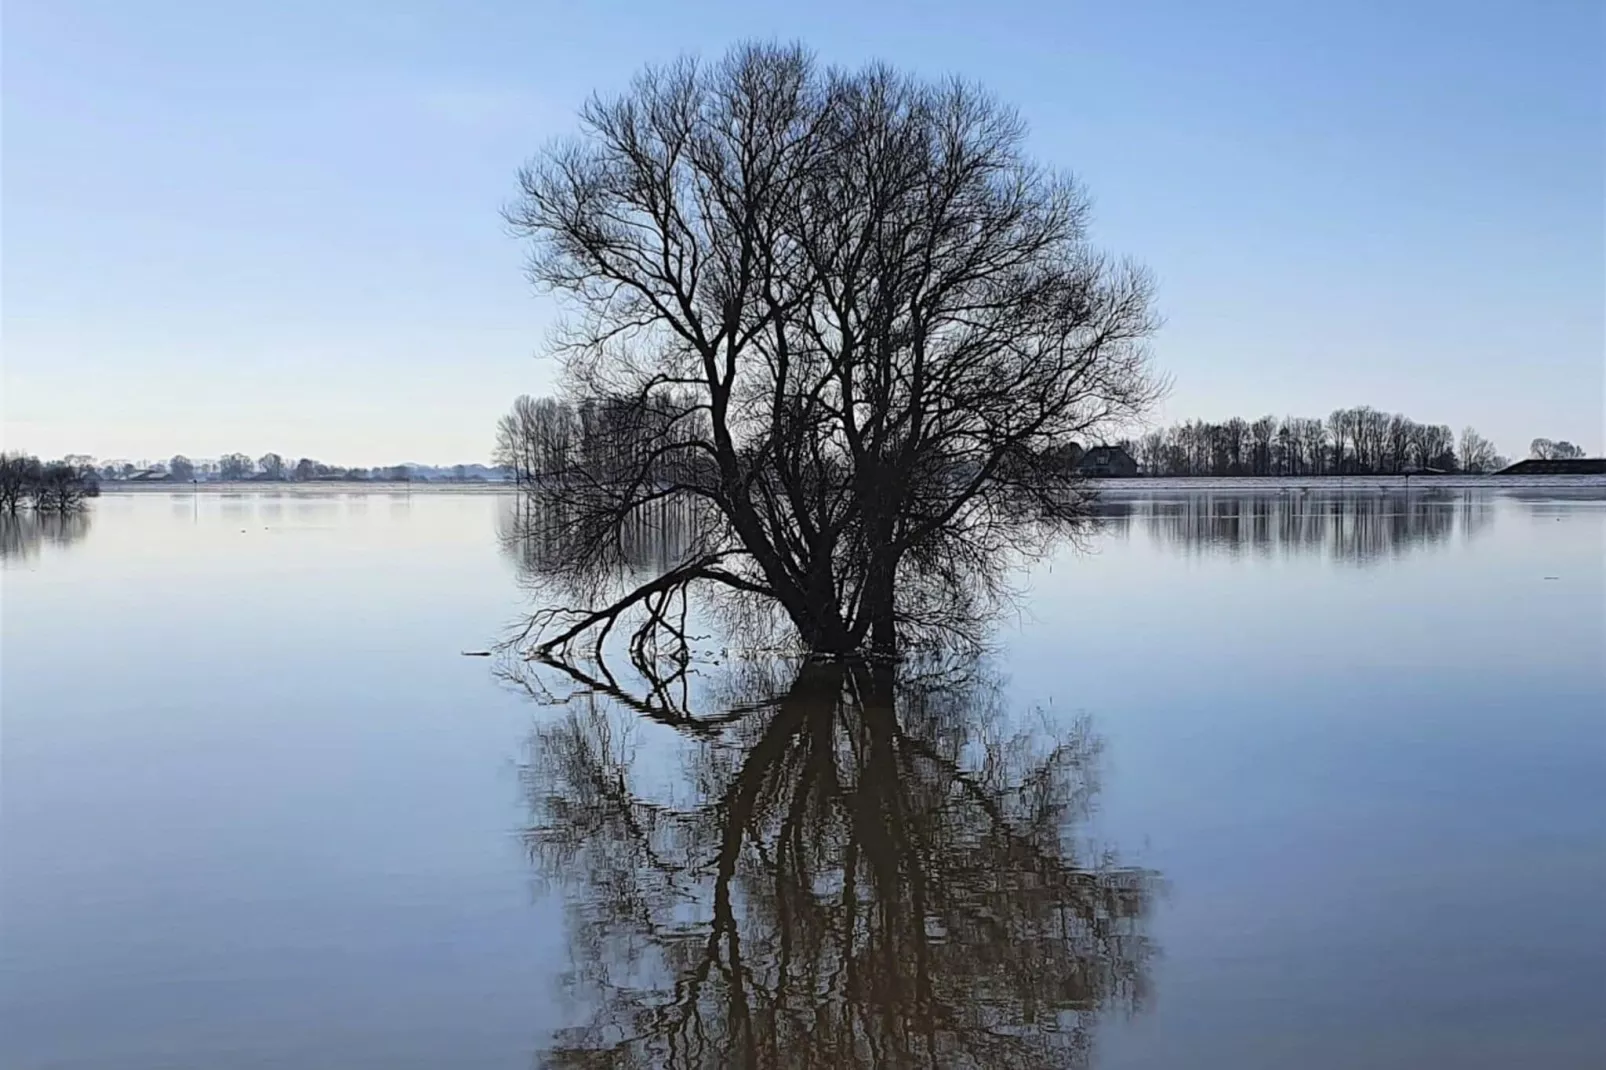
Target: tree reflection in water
[
  {"x": 872, "y": 871},
  {"x": 24, "y": 532},
  {"x": 1347, "y": 526}
]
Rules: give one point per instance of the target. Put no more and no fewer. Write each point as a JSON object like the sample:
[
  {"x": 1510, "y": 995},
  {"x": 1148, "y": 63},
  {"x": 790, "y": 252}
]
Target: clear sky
[{"x": 259, "y": 225}]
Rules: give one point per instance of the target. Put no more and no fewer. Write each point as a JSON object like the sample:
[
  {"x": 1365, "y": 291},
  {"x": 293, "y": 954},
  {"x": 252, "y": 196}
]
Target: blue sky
[{"x": 253, "y": 226}]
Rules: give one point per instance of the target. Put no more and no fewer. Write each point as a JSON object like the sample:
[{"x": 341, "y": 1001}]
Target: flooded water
[{"x": 1259, "y": 779}]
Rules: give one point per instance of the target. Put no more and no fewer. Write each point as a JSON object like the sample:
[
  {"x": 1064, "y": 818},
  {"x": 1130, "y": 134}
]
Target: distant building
[
  {"x": 1580, "y": 466},
  {"x": 1107, "y": 461}
]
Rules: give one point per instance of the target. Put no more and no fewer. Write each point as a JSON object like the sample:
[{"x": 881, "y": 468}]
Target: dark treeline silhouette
[
  {"x": 1345, "y": 527},
  {"x": 1358, "y": 441},
  {"x": 44, "y": 486},
  {"x": 866, "y": 868}
]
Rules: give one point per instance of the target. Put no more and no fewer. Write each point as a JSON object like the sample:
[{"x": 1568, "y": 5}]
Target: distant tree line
[
  {"x": 46, "y": 486},
  {"x": 239, "y": 467},
  {"x": 553, "y": 439},
  {"x": 1358, "y": 441}
]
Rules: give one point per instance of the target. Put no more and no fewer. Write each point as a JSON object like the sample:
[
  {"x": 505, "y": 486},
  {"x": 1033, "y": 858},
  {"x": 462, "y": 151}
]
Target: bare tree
[
  {"x": 1263, "y": 434},
  {"x": 19, "y": 476},
  {"x": 536, "y": 438},
  {"x": 1476, "y": 453},
  {"x": 181, "y": 469},
  {"x": 1545, "y": 450},
  {"x": 843, "y": 320},
  {"x": 271, "y": 466}
]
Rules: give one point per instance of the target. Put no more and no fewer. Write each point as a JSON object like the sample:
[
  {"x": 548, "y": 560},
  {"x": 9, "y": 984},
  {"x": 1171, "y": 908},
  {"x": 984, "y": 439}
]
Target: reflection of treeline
[
  {"x": 45, "y": 486},
  {"x": 1361, "y": 440},
  {"x": 1344, "y": 527},
  {"x": 541, "y": 535},
  {"x": 23, "y": 532}
]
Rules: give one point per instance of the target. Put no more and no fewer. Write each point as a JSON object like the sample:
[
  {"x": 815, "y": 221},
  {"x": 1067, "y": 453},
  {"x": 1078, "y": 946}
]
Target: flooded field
[{"x": 1261, "y": 776}]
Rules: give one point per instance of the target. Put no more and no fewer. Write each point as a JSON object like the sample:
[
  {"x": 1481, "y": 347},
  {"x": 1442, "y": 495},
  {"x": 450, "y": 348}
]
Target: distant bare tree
[
  {"x": 19, "y": 476},
  {"x": 1477, "y": 454},
  {"x": 305, "y": 469},
  {"x": 1545, "y": 450},
  {"x": 536, "y": 438},
  {"x": 271, "y": 466},
  {"x": 852, "y": 317},
  {"x": 1263, "y": 436},
  {"x": 235, "y": 466},
  {"x": 181, "y": 469}
]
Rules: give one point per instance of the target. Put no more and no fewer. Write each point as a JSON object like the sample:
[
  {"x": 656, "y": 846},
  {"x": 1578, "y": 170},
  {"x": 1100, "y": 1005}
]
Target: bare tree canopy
[
  {"x": 1544, "y": 449},
  {"x": 1477, "y": 454},
  {"x": 837, "y": 317}
]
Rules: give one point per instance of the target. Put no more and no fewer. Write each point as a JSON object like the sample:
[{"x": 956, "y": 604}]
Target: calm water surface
[{"x": 1260, "y": 780}]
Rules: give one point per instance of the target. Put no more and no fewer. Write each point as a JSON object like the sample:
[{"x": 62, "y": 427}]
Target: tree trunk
[{"x": 881, "y": 608}]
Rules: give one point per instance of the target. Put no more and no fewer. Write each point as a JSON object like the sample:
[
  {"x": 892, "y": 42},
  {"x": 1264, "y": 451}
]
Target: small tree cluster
[
  {"x": 548, "y": 439},
  {"x": 53, "y": 486},
  {"x": 1357, "y": 441},
  {"x": 1545, "y": 450}
]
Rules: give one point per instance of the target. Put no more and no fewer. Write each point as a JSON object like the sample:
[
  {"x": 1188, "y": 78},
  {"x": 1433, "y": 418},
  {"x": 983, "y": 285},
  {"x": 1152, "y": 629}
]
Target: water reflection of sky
[{"x": 259, "y": 811}]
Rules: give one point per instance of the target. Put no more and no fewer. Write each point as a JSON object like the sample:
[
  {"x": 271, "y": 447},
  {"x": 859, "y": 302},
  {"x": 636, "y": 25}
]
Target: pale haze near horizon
[{"x": 252, "y": 227}]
